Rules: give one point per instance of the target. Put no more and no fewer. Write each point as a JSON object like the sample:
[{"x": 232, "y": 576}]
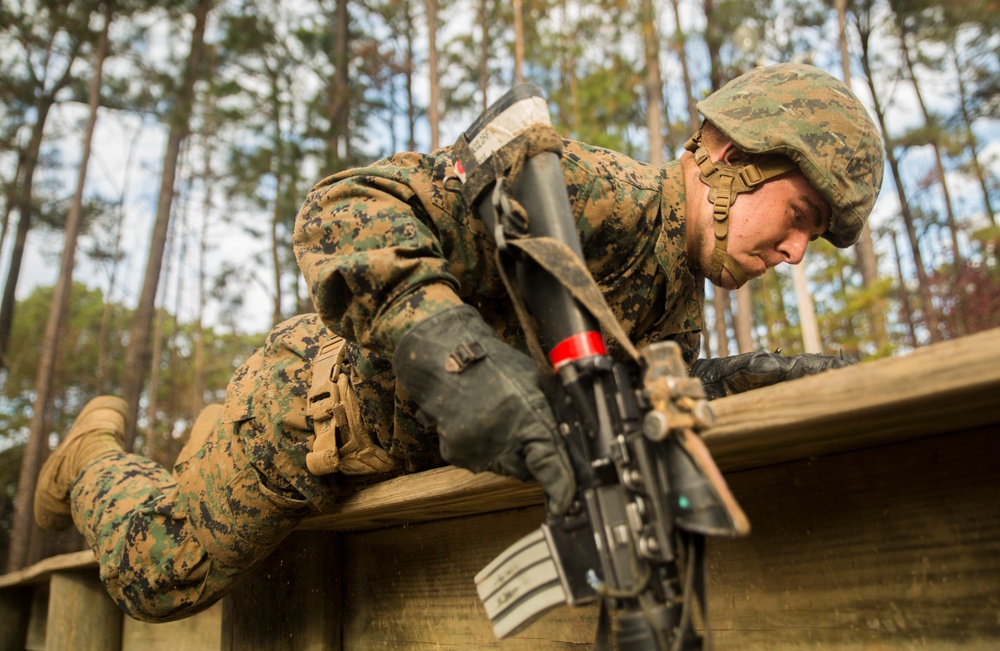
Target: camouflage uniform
[
  {"x": 385, "y": 246},
  {"x": 382, "y": 247}
]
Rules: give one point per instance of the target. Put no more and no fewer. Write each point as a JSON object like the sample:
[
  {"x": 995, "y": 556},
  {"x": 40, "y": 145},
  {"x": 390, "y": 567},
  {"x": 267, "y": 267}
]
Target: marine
[{"x": 400, "y": 269}]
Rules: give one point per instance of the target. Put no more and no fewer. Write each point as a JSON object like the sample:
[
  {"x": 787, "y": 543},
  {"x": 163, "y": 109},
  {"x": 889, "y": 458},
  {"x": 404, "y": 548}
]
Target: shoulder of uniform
[{"x": 598, "y": 161}]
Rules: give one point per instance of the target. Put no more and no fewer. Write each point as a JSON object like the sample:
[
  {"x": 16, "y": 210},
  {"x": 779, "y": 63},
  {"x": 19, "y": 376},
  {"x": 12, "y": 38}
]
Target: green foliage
[
  {"x": 10, "y": 468},
  {"x": 78, "y": 375},
  {"x": 91, "y": 355}
]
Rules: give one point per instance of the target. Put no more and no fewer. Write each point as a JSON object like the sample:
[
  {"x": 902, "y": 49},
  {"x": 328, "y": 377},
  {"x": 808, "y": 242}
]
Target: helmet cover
[{"x": 801, "y": 112}]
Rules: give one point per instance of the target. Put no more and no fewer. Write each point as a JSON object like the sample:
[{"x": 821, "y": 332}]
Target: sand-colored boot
[{"x": 98, "y": 432}]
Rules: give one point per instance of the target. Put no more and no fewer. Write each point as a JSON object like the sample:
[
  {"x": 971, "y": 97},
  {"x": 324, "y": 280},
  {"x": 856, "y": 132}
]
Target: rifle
[{"x": 648, "y": 490}]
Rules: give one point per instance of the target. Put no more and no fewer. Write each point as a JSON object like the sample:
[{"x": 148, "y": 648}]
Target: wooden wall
[{"x": 874, "y": 495}]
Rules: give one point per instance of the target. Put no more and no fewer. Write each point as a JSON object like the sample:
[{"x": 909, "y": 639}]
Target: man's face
[{"x": 771, "y": 225}]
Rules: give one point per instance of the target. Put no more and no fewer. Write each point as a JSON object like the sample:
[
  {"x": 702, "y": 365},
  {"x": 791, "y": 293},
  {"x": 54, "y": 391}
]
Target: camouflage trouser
[{"x": 171, "y": 544}]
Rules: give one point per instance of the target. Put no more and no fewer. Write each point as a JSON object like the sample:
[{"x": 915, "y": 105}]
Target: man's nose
[{"x": 793, "y": 247}]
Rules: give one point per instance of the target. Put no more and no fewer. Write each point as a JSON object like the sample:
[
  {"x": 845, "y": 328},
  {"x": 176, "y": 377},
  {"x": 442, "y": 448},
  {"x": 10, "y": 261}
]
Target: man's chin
[{"x": 726, "y": 281}]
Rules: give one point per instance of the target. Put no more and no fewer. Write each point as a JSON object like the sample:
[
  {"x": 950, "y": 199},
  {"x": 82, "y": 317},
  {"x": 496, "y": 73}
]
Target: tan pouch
[{"x": 342, "y": 444}]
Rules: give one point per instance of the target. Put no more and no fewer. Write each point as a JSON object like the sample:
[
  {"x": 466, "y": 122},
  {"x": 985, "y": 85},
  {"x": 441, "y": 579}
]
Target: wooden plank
[
  {"x": 892, "y": 548},
  {"x": 82, "y": 617},
  {"x": 432, "y": 495},
  {"x": 412, "y": 587},
  {"x": 936, "y": 389},
  {"x": 291, "y": 602},
  {"x": 895, "y": 547},
  {"x": 40, "y": 571},
  {"x": 941, "y": 388},
  {"x": 201, "y": 632},
  {"x": 38, "y": 619}
]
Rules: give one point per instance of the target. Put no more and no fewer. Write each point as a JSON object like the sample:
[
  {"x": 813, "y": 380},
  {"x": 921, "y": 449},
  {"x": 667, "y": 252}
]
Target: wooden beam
[
  {"x": 82, "y": 617},
  {"x": 200, "y": 632},
  {"x": 291, "y": 601},
  {"x": 891, "y": 548},
  {"x": 940, "y": 388},
  {"x": 40, "y": 571},
  {"x": 946, "y": 387},
  {"x": 432, "y": 495},
  {"x": 895, "y": 548}
]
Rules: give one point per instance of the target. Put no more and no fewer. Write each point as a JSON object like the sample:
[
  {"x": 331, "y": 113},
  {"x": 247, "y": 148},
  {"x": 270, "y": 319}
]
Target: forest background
[{"x": 153, "y": 156}]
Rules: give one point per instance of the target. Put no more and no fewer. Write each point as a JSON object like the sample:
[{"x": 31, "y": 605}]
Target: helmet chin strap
[{"x": 725, "y": 183}]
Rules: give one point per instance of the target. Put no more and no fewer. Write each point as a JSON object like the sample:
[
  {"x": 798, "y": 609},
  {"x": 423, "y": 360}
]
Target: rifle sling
[{"x": 562, "y": 264}]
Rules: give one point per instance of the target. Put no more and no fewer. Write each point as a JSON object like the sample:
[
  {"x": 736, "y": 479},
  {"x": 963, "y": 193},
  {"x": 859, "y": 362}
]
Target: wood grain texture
[
  {"x": 432, "y": 495},
  {"x": 291, "y": 602},
  {"x": 81, "y": 615},
  {"x": 412, "y": 588},
  {"x": 894, "y": 547},
  {"x": 940, "y": 388},
  {"x": 40, "y": 571},
  {"x": 201, "y": 632}
]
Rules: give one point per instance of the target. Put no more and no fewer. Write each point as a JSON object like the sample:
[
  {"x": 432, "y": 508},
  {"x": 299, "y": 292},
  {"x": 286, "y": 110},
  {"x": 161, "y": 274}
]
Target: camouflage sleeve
[{"x": 370, "y": 251}]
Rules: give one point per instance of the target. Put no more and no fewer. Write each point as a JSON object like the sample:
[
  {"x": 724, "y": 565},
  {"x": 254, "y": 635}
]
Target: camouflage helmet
[{"x": 807, "y": 115}]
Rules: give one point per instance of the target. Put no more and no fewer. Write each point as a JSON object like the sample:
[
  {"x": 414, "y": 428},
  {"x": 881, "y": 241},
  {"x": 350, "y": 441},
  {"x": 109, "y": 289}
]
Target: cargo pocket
[{"x": 258, "y": 519}]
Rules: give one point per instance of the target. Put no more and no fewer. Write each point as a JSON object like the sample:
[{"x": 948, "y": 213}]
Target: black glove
[
  {"x": 724, "y": 376},
  {"x": 486, "y": 400}
]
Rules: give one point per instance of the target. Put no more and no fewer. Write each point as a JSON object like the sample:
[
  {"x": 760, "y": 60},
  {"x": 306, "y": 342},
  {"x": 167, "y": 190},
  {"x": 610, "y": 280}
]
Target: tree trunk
[
  {"x": 572, "y": 119},
  {"x": 198, "y": 383},
  {"x": 864, "y": 250},
  {"x": 277, "y": 167},
  {"x": 927, "y": 308},
  {"x": 23, "y": 204},
  {"x": 484, "y": 54},
  {"x": 411, "y": 108},
  {"x": 768, "y": 282},
  {"x": 433, "y": 115},
  {"x": 713, "y": 41},
  {"x": 743, "y": 319},
  {"x": 845, "y": 60},
  {"x": 45, "y": 98},
  {"x": 338, "y": 149},
  {"x": 970, "y": 137},
  {"x": 811, "y": 342},
  {"x": 35, "y": 449},
  {"x": 904, "y": 294},
  {"x": 137, "y": 355},
  {"x": 10, "y": 197},
  {"x": 680, "y": 48},
  {"x": 654, "y": 83},
  {"x": 720, "y": 301},
  {"x": 935, "y": 145},
  {"x": 152, "y": 446},
  {"x": 518, "y": 43}
]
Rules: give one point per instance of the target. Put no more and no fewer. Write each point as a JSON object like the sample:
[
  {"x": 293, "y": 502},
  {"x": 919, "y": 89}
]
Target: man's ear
[
  {"x": 730, "y": 154},
  {"x": 724, "y": 152}
]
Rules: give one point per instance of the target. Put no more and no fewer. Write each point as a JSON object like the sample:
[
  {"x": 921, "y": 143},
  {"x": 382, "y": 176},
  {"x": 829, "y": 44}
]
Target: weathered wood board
[
  {"x": 895, "y": 547},
  {"x": 874, "y": 495}
]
